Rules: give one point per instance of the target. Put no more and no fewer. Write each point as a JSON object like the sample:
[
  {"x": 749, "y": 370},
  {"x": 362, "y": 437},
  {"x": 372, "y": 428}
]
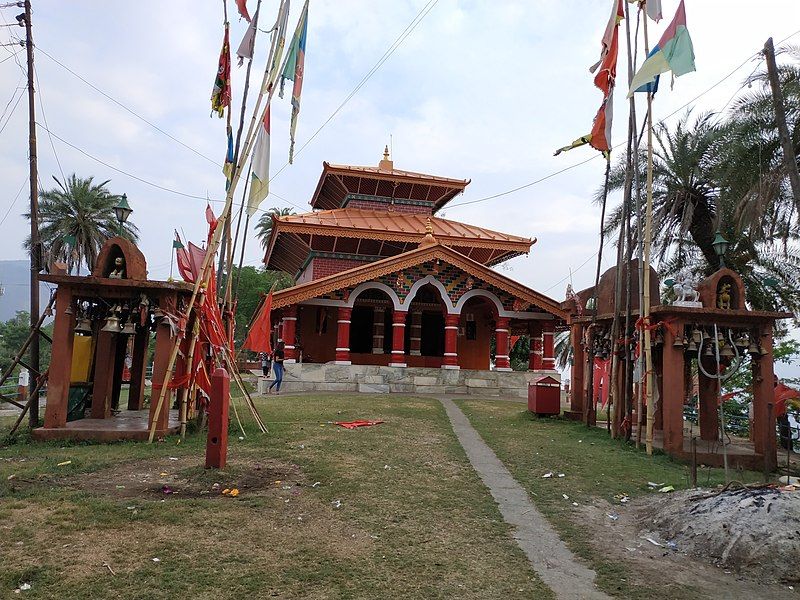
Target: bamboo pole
[
  {"x": 35, "y": 331},
  {"x": 183, "y": 394},
  {"x": 34, "y": 397},
  {"x": 647, "y": 376}
]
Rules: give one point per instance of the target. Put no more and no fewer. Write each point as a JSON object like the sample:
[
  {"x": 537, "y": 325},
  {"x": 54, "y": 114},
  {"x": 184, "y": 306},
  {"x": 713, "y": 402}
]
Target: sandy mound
[{"x": 752, "y": 531}]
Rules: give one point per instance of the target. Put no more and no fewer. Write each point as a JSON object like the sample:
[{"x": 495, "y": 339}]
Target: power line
[
  {"x": 49, "y": 135},
  {"x": 386, "y": 55},
  {"x": 14, "y": 201},
  {"x": 13, "y": 110},
  {"x": 128, "y": 109}
]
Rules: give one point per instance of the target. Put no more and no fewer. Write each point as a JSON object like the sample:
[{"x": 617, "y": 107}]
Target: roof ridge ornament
[
  {"x": 428, "y": 240},
  {"x": 386, "y": 164}
]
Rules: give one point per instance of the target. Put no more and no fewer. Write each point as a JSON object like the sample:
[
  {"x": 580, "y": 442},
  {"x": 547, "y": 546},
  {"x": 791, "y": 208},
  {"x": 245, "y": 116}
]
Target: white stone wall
[{"x": 410, "y": 380}]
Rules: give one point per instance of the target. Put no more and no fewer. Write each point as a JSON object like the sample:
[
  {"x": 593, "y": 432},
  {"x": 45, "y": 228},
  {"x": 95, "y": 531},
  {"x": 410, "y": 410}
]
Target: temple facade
[{"x": 382, "y": 281}]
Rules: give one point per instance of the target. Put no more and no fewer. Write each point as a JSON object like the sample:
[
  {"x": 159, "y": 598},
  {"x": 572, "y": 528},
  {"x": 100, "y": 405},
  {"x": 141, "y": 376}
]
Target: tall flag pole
[
  {"x": 259, "y": 180},
  {"x": 294, "y": 69},
  {"x": 600, "y": 136}
]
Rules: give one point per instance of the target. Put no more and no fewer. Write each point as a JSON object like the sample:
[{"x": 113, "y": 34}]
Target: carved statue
[
  {"x": 685, "y": 287},
  {"x": 119, "y": 269},
  {"x": 571, "y": 295},
  {"x": 724, "y": 296}
]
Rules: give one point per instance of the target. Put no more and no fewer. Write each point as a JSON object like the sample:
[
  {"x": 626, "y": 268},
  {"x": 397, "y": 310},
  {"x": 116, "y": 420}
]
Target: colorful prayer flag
[
  {"x": 247, "y": 45},
  {"x": 221, "y": 94},
  {"x": 674, "y": 52},
  {"x": 242, "y": 6},
  {"x": 280, "y": 40},
  {"x": 293, "y": 70},
  {"x": 177, "y": 243},
  {"x": 653, "y": 9},
  {"x": 600, "y": 136},
  {"x": 259, "y": 178},
  {"x": 227, "y": 167}
]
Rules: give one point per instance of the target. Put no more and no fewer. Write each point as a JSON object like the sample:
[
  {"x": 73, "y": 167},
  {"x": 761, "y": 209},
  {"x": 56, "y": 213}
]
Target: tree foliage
[
  {"x": 75, "y": 218},
  {"x": 253, "y": 284},
  {"x": 13, "y": 334},
  {"x": 265, "y": 221}
]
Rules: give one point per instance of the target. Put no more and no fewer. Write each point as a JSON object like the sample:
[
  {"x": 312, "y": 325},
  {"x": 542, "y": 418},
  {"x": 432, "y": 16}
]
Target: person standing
[{"x": 277, "y": 360}]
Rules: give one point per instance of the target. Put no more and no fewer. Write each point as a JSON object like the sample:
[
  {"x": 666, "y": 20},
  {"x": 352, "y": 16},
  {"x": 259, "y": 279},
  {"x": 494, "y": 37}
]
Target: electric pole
[
  {"x": 789, "y": 157},
  {"x": 33, "y": 415}
]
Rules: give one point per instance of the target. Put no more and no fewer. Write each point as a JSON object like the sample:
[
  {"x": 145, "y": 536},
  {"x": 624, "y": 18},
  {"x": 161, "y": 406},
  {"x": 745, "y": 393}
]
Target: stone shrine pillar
[
  {"x": 548, "y": 346},
  {"x": 377, "y": 330},
  {"x": 290, "y": 334},
  {"x": 535, "y": 357},
  {"x": 416, "y": 333}
]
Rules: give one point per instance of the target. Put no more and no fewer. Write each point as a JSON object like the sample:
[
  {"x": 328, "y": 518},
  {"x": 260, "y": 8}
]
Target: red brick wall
[
  {"x": 403, "y": 208},
  {"x": 322, "y": 266}
]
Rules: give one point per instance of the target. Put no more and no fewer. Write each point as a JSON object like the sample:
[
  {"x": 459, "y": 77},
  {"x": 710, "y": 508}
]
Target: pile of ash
[{"x": 753, "y": 531}]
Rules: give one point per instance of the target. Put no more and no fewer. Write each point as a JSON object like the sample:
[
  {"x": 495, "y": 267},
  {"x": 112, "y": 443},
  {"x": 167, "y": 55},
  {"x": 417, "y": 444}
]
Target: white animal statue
[{"x": 685, "y": 287}]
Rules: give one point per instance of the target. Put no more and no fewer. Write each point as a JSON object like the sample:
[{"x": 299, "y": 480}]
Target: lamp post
[
  {"x": 720, "y": 245},
  {"x": 123, "y": 211}
]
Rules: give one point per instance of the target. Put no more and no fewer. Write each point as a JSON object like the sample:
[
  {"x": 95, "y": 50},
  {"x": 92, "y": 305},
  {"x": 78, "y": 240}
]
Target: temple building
[{"x": 382, "y": 282}]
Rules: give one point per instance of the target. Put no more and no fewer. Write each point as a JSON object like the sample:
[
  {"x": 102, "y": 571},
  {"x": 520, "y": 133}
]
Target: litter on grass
[
  {"x": 547, "y": 475},
  {"x": 355, "y": 424}
]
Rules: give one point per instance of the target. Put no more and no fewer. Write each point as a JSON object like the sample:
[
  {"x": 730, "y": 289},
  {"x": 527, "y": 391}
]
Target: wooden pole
[
  {"x": 33, "y": 415},
  {"x": 789, "y": 158},
  {"x": 21, "y": 352},
  {"x": 647, "y": 376}
]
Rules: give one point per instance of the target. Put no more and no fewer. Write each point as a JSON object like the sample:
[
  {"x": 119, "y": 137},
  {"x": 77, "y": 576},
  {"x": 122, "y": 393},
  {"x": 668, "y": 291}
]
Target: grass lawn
[
  {"x": 398, "y": 512},
  {"x": 595, "y": 468}
]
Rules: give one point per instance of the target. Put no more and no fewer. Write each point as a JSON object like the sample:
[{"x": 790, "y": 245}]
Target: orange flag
[{"x": 259, "y": 334}]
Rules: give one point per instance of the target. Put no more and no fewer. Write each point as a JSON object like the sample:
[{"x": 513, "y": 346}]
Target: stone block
[
  {"x": 373, "y": 379},
  {"x": 456, "y": 389},
  {"x": 425, "y": 380},
  {"x": 479, "y": 383},
  {"x": 430, "y": 389},
  {"x": 336, "y": 387},
  {"x": 373, "y": 388},
  {"x": 401, "y": 388}
]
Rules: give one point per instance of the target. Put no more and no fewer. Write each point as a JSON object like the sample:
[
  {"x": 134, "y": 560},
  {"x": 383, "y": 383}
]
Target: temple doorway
[
  {"x": 475, "y": 333},
  {"x": 425, "y": 327}
]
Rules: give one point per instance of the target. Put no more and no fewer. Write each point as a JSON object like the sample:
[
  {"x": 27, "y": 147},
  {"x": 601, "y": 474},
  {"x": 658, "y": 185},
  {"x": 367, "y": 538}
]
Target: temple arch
[
  {"x": 376, "y": 285},
  {"x": 486, "y": 294},
  {"x": 448, "y": 304}
]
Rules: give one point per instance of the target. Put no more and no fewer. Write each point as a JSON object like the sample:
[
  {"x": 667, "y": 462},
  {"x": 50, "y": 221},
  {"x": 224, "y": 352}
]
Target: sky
[{"x": 482, "y": 90}]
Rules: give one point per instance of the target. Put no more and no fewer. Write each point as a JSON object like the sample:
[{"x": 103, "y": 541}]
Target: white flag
[{"x": 259, "y": 179}]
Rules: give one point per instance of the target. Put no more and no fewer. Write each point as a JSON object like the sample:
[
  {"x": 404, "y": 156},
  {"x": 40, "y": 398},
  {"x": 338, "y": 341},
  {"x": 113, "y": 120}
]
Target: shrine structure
[{"x": 391, "y": 297}]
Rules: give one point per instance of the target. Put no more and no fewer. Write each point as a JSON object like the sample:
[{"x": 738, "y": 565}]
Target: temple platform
[
  {"x": 128, "y": 425},
  {"x": 374, "y": 379}
]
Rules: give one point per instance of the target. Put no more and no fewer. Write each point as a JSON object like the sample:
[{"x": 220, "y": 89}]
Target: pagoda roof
[
  {"x": 370, "y": 271},
  {"x": 338, "y": 181},
  {"x": 291, "y": 239}
]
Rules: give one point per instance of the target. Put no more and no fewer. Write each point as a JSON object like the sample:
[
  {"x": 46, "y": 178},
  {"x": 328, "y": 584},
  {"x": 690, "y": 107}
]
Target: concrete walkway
[{"x": 557, "y": 567}]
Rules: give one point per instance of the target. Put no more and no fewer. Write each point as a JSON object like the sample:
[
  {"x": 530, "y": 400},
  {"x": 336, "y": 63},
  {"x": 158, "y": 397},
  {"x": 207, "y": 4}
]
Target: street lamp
[
  {"x": 123, "y": 211},
  {"x": 720, "y": 245}
]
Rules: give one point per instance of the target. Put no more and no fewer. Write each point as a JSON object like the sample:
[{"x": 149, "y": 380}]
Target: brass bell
[
  {"x": 753, "y": 349},
  {"x": 697, "y": 336},
  {"x": 84, "y": 326},
  {"x": 708, "y": 351},
  {"x": 112, "y": 323},
  {"x": 761, "y": 350},
  {"x": 129, "y": 328},
  {"x": 158, "y": 313},
  {"x": 692, "y": 347},
  {"x": 678, "y": 343},
  {"x": 742, "y": 341},
  {"x": 659, "y": 339},
  {"x": 726, "y": 352}
]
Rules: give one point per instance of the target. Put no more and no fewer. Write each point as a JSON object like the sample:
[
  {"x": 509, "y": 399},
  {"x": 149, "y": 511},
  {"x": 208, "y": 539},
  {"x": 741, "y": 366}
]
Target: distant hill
[{"x": 15, "y": 281}]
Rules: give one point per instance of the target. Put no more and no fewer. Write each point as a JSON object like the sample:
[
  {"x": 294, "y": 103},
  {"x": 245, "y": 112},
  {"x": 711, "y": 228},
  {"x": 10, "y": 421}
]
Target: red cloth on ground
[{"x": 354, "y": 424}]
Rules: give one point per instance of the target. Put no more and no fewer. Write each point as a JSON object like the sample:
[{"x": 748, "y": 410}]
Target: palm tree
[
  {"x": 264, "y": 225},
  {"x": 75, "y": 218}
]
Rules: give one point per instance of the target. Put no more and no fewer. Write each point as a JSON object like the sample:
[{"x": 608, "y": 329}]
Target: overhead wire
[
  {"x": 14, "y": 201},
  {"x": 47, "y": 126}
]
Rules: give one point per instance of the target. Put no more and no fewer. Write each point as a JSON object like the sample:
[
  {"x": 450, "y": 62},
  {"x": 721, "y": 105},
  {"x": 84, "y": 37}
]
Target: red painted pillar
[
  {"x": 535, "y": 357},
  {"x": 451, "y": 341},
  {"x": 674, "y": 392},
  {"x": 501, "y": 361},
  {"x": 61, "y": 362},
  {"x": 343, "y": 336},
  {"x": 290, "y": 334},
  {"x": 576, "y": 384},
  {"x": 764, "y": 402},
  {"x": 415, "y": 339},
  {"x": 138, "y": 368},
  {"x": 378, "y": 319},
  {"x": 164, "y": 341},
  {"x": 548, "y": 346},
  {"x": 398, "y": 339},
  {"x": 104, "y": 367},
  {"x": 708, "y": 413},
  {"x": 217, "y": 440}
]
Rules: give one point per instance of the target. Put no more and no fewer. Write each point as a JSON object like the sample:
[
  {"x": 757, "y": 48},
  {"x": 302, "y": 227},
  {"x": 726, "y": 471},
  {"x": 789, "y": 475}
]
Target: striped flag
[
  {"x": 293, "y": 70},
  {"x": 674, "y": 52},
  {"x": 278, "y": 43},
  {"x": 259, "y": 179}
]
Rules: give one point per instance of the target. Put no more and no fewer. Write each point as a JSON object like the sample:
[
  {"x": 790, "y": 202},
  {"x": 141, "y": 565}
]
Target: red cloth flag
[
  {"x": 259, "y": 334},
  {"x": 601, "y": 385},
  {"x": 221, "y": 93},
  {"x": 242, "y": 6},
  {"x": 784, "y": 393}
]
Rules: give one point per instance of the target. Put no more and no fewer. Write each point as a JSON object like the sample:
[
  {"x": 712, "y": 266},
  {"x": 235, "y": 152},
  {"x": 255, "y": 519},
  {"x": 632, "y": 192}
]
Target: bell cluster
[
  {"x": 124, "y": 317},
  {"x": 730, "y": 342}
]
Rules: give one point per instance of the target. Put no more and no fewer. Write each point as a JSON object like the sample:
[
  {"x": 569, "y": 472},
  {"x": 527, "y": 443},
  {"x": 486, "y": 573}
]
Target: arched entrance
[
  {"x": 370, "y": 327},
  {"x": 425, "y": 327},
  {"x": 475, "y": 331}
]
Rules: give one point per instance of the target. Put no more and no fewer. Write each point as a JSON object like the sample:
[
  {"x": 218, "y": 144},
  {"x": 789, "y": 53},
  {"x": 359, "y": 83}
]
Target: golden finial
[
  {"x": 386, "y": 152},
  {"x": 428, "y": 227}
]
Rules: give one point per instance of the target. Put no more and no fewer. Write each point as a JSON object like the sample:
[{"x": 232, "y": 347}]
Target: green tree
[
  {"x": 75, "y": 218},
  {"x": 253, "y": 285},
  {"x": 13, "y": 334},
  {"x": 265, "y": 221}
]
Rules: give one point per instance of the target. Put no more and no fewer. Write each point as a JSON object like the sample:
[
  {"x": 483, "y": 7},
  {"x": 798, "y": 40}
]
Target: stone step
[
  {"x": 373, "y": 388},
  {"x": 374, "y": 379}
]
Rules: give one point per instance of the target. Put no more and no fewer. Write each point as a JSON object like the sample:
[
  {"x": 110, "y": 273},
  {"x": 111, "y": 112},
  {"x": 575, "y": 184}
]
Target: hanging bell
[
  {"x": 753, "y": 349},
  {"x": 692, "y": 347},
  {"x": 762, "y": 351},
  {"x": 112, "y": 323},
  {"x": 678, "y": 343},
  {"x": 742, "y": 341},
  {"x": 158, "y": 313},
  {"x": 84, "y": 326},
  {"x": 709, "y": 351},
  {"x": 697, "y": 336},
  {"x": 659, "y": 339},
  {"x": 129, "y": 328},
  {"x": 726, "y": 352}
]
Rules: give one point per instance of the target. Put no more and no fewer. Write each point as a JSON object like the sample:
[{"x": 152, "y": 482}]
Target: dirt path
[{"x": 548, "y": 555}]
